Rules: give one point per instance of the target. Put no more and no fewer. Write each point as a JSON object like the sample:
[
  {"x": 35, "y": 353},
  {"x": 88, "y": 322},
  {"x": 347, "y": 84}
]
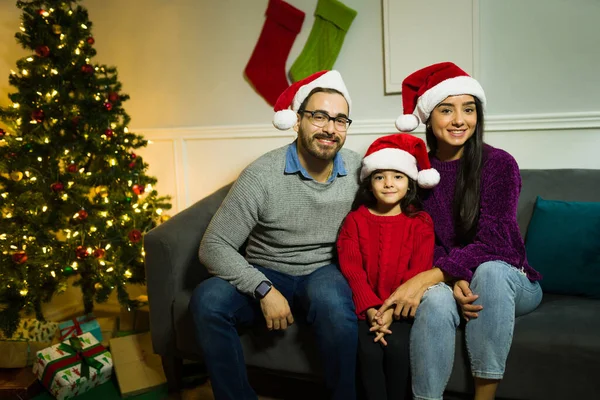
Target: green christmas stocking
[{"x": 332, "y": 21}]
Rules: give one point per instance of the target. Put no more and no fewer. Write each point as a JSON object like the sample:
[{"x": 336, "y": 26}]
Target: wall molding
[{"x": 494, "y": 123}]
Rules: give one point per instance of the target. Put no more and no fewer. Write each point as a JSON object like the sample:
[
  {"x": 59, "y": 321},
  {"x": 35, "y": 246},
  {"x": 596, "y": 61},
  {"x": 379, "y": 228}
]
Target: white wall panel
[
  {"x": 164, "y": 165},
  {"x": 213, "y": 163},
  {"x": 194, "y": 162}
]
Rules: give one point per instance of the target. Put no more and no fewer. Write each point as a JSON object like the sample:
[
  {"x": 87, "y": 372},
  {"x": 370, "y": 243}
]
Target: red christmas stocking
[{"x": 266, "y": 67}]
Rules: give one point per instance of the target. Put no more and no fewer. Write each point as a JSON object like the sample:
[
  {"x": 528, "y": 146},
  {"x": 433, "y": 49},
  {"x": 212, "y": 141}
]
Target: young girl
[
  {"x": 479, "y": 253},
  {"x": 383, "y": 242}
]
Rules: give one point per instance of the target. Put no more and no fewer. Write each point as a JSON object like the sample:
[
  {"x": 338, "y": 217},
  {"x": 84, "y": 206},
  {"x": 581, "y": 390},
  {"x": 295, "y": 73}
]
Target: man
[{"x": 289, "y": 204}]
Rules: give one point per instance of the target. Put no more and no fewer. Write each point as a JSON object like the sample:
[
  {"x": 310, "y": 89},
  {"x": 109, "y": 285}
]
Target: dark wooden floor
[{"x": 267, "y": 386}]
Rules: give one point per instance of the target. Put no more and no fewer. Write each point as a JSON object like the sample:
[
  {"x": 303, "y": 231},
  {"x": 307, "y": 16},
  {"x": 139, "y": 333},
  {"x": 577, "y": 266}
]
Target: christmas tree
[{"x": 74, "y": 196}]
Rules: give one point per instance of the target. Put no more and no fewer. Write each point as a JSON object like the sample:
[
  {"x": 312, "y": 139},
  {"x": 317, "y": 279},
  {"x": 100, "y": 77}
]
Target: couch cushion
[
  {"x": 563, "y": 244},
  {"x": 556, "y": 184},
  {"x": 555, "y": 353},
  {"x": 291, "y": 351}
]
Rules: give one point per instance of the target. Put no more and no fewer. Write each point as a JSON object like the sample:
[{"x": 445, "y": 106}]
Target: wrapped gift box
[
  {"x": 137, "y": 368},
  {"x": 34, "y": 330},
  {"x": 74, "y": 366},
  {"x": 77, "y": 326},
  {"x": 30, "y": 336}
]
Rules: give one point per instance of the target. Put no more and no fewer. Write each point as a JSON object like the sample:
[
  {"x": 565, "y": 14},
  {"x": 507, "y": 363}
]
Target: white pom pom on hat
[
  {"x": 284, "y": 119},
  {"x": 290, "y": 99},
  {"x": 424, "y": 89},
  {"x": 401, "y": 152},
  {"x": 407, "y": 123}
]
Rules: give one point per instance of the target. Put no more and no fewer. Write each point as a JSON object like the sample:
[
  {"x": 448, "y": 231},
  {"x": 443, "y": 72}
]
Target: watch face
[{"x": 262, "y": 289}]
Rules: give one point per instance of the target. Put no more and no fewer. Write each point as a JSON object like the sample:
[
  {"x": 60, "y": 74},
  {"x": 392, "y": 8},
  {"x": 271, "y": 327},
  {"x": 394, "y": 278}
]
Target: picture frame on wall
[{"x": 420, "y": 33}]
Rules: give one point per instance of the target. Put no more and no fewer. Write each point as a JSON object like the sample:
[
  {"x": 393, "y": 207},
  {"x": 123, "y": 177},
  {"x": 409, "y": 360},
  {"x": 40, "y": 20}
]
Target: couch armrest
[{"x": 172, "y": 264}]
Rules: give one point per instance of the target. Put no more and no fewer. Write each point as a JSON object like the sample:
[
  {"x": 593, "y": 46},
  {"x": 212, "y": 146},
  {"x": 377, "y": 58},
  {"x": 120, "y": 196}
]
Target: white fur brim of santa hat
[
  {"x": 423, "y": 90},
  {"x": 290, "y": 99},
  {"x": 401, "y": 152},
  {"x": 402, "y": 161}
]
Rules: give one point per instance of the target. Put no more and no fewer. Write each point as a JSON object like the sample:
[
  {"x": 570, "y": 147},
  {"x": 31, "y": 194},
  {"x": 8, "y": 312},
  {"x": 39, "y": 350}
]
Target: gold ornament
[
  {"x": 16, "y": 176},
  {"x": 164, "y": 217},
  {"x": 57, "y": 29},
  {"x": 102, "y": 191},
  {"x": 98, "y": 286}
]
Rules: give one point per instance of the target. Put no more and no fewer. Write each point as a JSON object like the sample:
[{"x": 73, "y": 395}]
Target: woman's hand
[
  {"x": 465, "y": 298},
  {"x": 407, "y": 297},
  {"x": 404, "y": 300}
]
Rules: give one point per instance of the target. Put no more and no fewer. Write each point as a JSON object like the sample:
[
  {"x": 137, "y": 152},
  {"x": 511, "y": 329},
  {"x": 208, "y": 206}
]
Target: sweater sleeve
[
  {"x": 421, "y": 258},
  {"x": 229, "y": 229},
  {"x": 438, "y": 252},
  {"x": 351, "y": 265},
  {"x": 497, "y": 233}
]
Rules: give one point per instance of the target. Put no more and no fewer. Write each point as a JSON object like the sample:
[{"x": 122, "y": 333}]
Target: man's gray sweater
[{"x": 291, "y": 223}]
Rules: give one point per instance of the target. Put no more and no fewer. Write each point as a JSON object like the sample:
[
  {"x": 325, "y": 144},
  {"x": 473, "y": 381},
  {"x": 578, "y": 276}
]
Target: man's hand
[
  {"x": 465, "y": 298},
  {"x": 276, "y": 310}
]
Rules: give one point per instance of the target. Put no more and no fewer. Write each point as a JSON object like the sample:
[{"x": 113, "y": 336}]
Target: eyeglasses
[{"x": 320, "y": 119}]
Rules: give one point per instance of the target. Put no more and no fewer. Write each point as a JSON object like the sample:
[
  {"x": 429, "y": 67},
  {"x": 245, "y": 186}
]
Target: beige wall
[{"x": 182, "y": 63}]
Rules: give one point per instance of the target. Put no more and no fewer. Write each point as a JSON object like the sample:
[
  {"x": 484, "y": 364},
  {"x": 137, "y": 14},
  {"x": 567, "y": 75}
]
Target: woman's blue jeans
[
  {"x": 504, "y": 292},
  {"x": 325, "y": 301}
]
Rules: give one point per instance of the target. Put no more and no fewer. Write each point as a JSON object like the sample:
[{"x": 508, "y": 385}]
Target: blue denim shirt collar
[{"x": 293, "y": 166}]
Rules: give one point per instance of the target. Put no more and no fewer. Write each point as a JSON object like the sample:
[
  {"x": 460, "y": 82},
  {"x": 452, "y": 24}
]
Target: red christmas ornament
[
  {"x": 133, "y": 156},
  {"x": 132, "y": 165},
  {"x": 2, "y": 132},
  {"x": 108, "y": 106},
  {"x": 135, "y": 236},
  {"x": 82, "y": 215},
  {"x": 19, "y": 257},
  {"x": 99, "y": 253},
  {"x": 41, "y": 11},
  {"x": 42, "y": 51},
  {"x": 81, "y": 252},
  {"x": 137, "y": 189},
  {"x": 38, "y": 115},
  {"x": 113, "y": 97},
  {"x": 109, "y": 133},
  {"x": 90, "y": 40},
  {"x": 72, "y": 168},
  {"x": 87, "y": 69},
  {"x": 57, "y": 187}
]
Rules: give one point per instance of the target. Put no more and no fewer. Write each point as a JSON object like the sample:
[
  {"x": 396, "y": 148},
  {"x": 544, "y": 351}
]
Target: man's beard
[{"x": 312, "y": 146}]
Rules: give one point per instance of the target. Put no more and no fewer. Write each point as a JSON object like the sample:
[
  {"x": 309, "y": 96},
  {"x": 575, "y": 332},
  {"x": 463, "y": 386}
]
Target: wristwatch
[{"x": 262, "y": 289}]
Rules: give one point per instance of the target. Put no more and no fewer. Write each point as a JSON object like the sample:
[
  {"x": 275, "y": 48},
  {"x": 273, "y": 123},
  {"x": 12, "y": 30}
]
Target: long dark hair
[
  {"x": 410, "y": 203},
  {"x": 467, "y": 192}
]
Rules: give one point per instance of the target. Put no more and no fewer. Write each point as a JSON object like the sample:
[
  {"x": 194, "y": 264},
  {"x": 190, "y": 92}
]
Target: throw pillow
[{"x": 563, "y": 244}]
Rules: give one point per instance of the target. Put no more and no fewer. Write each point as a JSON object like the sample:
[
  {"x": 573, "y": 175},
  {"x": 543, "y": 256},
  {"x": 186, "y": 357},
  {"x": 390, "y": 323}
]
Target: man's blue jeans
[
  {"x": 324, "y": 298},
  {"x": 504, "y": 292}
]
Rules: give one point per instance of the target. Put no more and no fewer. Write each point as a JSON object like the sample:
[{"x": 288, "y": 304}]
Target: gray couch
[{"x": 555, "y": 352}]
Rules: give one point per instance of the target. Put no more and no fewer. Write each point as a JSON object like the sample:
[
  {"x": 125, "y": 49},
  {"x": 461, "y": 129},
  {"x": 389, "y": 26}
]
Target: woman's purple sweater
[{"x": 498, "y": 236}]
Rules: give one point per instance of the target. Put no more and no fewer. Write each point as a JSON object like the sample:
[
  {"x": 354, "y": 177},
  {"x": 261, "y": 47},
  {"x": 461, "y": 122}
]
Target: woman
[{"x": 479, "y": 255}]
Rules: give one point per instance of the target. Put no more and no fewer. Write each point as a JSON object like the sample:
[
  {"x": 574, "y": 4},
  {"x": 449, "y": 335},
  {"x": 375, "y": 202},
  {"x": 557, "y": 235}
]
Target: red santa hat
[
  {"x": 426, "y": 88},
  {"x": 289, "y": 101},
  {"x": 404, "y": 153}
]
